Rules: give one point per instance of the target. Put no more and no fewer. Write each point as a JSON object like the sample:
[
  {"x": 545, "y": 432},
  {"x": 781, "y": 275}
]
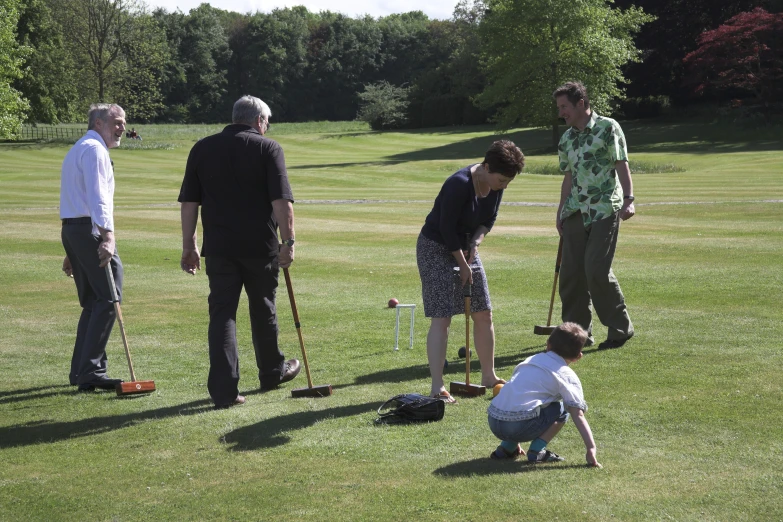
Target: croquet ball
[
  {"x": 461, "y": 352},
  {"x": 393, "y": 302},
  {"x": 496, "y": 389}
]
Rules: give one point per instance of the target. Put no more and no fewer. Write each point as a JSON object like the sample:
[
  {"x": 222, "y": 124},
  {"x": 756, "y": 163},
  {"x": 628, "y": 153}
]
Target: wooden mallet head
[
  {"x": 543, "y": 330},
  {"x": 134, "y": 387},
  {"x": 466, "y": 389},
  {"x": 324, "y": 390}
]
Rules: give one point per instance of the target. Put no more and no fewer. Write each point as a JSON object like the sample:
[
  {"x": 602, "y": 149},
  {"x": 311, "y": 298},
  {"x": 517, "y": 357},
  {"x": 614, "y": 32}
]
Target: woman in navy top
[{"x": 447, "y": 256}]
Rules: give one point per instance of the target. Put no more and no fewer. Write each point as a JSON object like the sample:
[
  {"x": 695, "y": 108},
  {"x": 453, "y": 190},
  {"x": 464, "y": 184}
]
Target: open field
[{"x": 686, "y": 416}]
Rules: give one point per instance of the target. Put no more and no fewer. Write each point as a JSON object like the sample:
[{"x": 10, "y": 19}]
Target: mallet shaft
[
  {"x": 298, "y": 325},
  {"x": 554, "y": 285},
  {"x": 466, "y": 294},
  {"x": 115, "y": 298}
]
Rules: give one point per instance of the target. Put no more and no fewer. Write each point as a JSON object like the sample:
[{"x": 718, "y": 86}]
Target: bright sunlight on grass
[{"x": 685, "y": 415}]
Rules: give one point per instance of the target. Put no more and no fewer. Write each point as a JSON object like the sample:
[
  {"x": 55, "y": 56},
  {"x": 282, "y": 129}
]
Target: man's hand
[
  {"x": 67, "y": 268},
  {"x": 191, "y": 261},
  {"x": 628, "y": 211},
  {"x": 559, "y": 223},
  {"x": 286, "y": 256},
  {"x": 105, "y": 252}
]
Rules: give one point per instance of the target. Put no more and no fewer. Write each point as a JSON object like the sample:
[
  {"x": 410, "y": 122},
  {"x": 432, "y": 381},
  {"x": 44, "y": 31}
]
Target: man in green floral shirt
[{"x": 597, "y": 193}]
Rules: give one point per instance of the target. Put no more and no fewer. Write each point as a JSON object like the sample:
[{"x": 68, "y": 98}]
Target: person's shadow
[
  {"x": 455, "y": 368},
  {"x": 272, "y": 432},
  {"x": 27, "y": 394},
  {"x": 486, "y": 466},
  {"x": 42, "y": 431}
]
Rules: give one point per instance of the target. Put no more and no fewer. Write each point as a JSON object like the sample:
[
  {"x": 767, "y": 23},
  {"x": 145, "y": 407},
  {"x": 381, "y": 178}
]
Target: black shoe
[
  {"x": 236, "y": 402},
  {"x": 613, "y": 343},
  {"x": 290, "y": 370},
  {"x": 103, "y": 384}
]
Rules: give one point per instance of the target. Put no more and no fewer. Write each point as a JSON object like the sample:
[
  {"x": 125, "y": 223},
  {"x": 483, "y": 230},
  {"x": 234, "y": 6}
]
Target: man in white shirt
[{"x": 87, "y": 213}]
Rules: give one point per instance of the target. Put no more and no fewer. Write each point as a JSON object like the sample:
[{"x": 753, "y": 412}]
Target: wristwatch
[
  {"x": 629, "y": 198},
  {"x": 288, "y": 242}
]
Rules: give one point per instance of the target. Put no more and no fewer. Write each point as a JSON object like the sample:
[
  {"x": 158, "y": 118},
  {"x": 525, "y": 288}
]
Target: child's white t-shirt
[{"x": 537, "y": 382}]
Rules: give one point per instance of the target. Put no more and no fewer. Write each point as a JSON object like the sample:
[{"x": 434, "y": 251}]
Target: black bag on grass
[{"x": 410, "y": 407}]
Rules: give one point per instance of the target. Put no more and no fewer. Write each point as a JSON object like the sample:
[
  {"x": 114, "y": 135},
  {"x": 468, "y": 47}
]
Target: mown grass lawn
[{"x": 686, "y": 415}]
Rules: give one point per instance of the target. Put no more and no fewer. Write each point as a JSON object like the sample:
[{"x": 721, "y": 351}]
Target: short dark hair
[
  {"x": 574, "y": 91},
  {"x": 567, "y": 340},
  {"x": 503, "y": 157}
]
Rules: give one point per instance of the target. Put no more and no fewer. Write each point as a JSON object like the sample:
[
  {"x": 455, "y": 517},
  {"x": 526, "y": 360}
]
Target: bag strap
[{"x": 391, "y": 411}]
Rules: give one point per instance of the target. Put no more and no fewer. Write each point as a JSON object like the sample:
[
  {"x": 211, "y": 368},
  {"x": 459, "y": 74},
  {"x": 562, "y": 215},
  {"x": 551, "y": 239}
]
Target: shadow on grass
[
  {"x": 455, "y": 368},
  {"x": 272, "y": 432},
  {"x": 43, "y": 431},
  {"x": 693, "y": 137},
  {"x": 346, "y": 164},
  {"x": 31, "y": 393},
  {"x": 487, "y": 466}
]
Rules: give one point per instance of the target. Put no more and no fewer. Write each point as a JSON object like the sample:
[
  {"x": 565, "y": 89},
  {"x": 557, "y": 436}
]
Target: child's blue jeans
[{"x": 529, "y": 429}]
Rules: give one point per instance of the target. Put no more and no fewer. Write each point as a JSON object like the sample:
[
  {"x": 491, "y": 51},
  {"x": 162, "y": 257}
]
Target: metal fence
[{"x": 48, "y": 132}]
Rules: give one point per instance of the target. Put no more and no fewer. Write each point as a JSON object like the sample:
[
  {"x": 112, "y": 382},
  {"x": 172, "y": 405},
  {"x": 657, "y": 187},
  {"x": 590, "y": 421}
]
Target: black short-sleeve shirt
[{"x": 235, "y": 175}]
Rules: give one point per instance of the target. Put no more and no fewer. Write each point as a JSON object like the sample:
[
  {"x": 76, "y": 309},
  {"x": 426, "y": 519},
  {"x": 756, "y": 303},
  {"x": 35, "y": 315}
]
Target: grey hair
[
  {"x": 102, "y": 111},
  {"x": 248, "y": 108}
]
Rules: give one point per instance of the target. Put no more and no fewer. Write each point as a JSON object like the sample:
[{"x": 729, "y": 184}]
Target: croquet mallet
[
  {"x": 134, "y": 386},
  {"x": 311, "y": 391},
  {"x": 465, "y": 388},
  {"x": 548, "y": 329}
]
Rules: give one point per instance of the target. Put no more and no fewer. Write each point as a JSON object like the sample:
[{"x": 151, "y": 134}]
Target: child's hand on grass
[{"x": 591, "y": 460}]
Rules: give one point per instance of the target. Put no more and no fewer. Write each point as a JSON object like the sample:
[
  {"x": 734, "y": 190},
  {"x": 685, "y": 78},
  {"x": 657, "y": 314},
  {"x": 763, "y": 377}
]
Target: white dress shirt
[
  {"x": 87, "y": 183},
  {"x": 537, "y": 382}
]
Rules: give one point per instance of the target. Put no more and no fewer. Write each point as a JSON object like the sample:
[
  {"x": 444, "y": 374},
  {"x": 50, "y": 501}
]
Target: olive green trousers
[{"x": 586, "y": 276}]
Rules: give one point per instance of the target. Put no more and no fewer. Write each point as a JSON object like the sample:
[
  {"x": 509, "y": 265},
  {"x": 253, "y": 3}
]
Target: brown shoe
[
  {"x": 291, "y": 369},
  {"x": 239, "y": 400}
]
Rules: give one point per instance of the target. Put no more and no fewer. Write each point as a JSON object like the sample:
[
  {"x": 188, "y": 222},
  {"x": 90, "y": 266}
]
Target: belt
[{"x": 77, "y": 221}]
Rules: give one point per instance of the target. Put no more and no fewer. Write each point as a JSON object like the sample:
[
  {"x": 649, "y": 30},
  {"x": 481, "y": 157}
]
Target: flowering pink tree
[{"x": 744, "y": 53}]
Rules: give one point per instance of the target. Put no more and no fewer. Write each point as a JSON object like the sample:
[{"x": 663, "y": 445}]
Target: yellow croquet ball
[{"x": 496, "y": 389}]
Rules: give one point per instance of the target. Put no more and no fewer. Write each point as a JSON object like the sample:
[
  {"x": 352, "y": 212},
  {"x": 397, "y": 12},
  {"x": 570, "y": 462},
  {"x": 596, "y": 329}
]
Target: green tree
[
  {"x": 443, "y": 92},
  {"x": 343, "y": 55},
  {"x": 269, "y": 58},
  {"x": 139, "y": 71},
  {"x": 48, "y": 81},
  {"x": 12, "y": 106},
  {"x": 383, "y": 106},
  {"x": 205, "y": 54},
  {"x": 173, "y": 86},
  {"x": 98, "y": 30},
  {"x": 406, "y": 48},
  {"x": 529, "y": 47}
]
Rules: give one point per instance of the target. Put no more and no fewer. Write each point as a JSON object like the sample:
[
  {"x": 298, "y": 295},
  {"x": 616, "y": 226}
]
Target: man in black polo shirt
[{"x": 239, "y": 178}]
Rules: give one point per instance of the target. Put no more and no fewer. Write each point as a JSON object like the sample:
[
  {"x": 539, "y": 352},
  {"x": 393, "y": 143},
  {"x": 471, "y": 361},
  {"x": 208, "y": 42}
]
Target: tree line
[{"x": 494, "y": 60}]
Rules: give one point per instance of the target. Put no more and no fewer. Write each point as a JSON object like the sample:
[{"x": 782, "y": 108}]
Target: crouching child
[{"x": 538, "y": 399}]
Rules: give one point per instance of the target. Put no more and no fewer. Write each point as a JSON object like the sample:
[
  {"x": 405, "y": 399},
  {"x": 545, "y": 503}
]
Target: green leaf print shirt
[{"x": 590, "y": 156}]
